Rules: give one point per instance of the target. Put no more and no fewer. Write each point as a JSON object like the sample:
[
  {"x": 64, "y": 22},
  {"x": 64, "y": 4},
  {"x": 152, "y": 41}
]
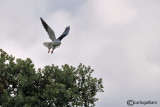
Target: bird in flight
[{"x": 55, "y": 42}]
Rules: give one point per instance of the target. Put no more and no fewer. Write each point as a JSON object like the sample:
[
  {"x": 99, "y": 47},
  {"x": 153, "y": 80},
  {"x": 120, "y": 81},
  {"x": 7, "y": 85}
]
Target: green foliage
[{"x": 22, "y": 86}]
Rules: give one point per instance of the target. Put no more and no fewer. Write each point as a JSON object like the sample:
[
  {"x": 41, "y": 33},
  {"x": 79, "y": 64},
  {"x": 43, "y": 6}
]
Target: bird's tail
[{"x": 47, "y": 44}]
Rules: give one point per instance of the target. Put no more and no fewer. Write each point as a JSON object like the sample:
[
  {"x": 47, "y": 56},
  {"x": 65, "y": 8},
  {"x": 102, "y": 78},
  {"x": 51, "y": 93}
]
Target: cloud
[{"x": 119, "y": 39}]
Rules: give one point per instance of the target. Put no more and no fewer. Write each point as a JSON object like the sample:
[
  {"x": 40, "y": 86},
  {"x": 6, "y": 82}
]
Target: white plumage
[{"x": 55, "y": 42}]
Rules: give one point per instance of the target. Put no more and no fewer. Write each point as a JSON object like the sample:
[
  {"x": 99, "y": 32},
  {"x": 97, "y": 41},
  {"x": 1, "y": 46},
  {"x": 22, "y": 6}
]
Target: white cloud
[{"x": 118, "y": 38}]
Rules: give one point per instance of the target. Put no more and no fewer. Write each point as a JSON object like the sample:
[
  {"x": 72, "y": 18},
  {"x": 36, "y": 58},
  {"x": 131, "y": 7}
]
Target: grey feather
[
  {"x": 48, "y": 30},
  {"x": 65, "y": 33}
]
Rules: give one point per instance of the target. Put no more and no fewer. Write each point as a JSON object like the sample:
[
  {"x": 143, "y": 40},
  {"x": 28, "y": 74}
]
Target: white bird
[{"x": 55, "y": 42}]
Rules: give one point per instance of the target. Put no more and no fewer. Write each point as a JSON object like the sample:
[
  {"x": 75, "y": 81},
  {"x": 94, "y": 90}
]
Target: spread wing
[
  {"x": 48, "y": 30},
  {"x": 65, "y": 33}
]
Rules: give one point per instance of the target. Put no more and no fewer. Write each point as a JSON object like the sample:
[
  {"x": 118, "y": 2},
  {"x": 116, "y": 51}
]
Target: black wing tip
[
  {"x": 41, "y": 19},
  {"x": 68, "y": 26},
  {"x": 44, "y": 24}
]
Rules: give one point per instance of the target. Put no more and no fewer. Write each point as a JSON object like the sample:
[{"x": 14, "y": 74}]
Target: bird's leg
[
  {"x": 52, "y": 50},
  {"x": 48, "y": 50}
]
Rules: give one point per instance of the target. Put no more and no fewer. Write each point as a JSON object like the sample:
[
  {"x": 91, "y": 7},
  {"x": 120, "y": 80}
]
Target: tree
[{"x": 22, "y": 86}]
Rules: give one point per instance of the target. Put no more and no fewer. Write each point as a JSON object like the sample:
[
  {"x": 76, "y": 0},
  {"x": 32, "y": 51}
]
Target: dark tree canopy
[{"x": 23, "y": 86}]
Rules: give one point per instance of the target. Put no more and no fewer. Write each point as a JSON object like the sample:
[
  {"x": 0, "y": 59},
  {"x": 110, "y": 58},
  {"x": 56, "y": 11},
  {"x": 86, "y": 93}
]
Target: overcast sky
[{"x": 119, "y": 39}]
